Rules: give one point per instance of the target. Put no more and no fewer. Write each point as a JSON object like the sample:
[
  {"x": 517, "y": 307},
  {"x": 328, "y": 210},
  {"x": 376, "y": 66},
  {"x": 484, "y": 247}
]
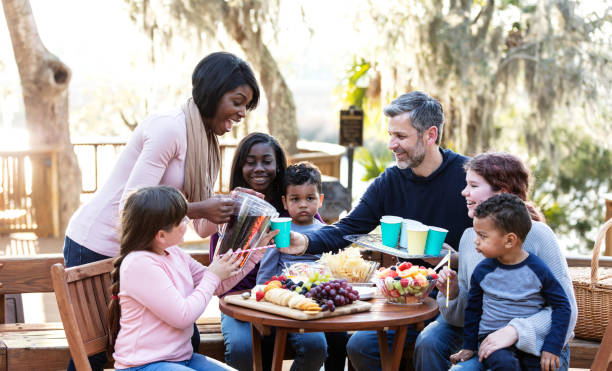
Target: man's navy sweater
[{"x": 434, "y": 200}]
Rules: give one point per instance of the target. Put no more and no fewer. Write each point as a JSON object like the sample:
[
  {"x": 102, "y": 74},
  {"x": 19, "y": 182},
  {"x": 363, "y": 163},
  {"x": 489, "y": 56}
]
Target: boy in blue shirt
[
  {"x": 302, "y": 198},
  {"x": 510, "y": 283}
]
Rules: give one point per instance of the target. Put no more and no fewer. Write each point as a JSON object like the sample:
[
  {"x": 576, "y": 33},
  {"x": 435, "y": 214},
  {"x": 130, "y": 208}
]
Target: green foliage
[
  {"x": 352, "y": 89},
  {"x": 375, "y": 158},
  {"x": 569, "y": 189},
  {"x": 355, "y": 89}
]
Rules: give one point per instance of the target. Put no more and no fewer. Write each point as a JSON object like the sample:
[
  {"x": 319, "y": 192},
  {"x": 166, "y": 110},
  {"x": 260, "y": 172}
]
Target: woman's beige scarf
[{"x": 203, "y": 158}]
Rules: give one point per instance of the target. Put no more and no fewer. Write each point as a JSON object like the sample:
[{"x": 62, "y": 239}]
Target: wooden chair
[
  {"x": 603, "y": 359},
  {"x": 82, "y": 295}
]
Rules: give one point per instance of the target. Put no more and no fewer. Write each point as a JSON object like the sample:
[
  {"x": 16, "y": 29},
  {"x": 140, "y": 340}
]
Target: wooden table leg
[
  {"x": 256, "y": 340},
  {"x": 398, "y": 347},
  {"x": 390, "y": 361},
  {"x": 280, "y": 340},
  {"x": 383, "y": 346}
]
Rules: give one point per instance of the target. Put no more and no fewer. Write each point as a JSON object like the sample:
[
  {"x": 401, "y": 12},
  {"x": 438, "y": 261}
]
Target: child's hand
[
  {"x": 267, "y": 237},
  {"x": 549, "y": 361},
  {"x": 444, "y": 275},
  {"x": 226, "y": 265},
  {"x": 502, "y": 338},
  {"x": 462, "y": 356}
]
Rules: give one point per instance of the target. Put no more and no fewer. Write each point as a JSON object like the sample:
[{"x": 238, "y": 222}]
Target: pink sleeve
[
  {"x": 147, "y": 282},
  {"x": 160, "y": 144},
  {"x": 204, "y": 227}
]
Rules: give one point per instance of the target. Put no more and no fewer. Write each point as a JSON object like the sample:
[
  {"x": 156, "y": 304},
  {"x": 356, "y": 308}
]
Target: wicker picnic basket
[{"x": 593, "y": 288}]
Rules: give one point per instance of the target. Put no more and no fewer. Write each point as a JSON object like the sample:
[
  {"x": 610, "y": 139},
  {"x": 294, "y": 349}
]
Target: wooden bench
[{"x": 44, "y": 346}]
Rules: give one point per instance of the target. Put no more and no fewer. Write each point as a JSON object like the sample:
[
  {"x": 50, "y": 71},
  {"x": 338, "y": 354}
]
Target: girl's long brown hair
[
  {"x": 146, "y": 212},
  {"x": 507, "y": 173}
]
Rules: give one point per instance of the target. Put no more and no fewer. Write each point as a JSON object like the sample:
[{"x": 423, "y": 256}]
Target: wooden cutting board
[{"x": 264, "y": 306}]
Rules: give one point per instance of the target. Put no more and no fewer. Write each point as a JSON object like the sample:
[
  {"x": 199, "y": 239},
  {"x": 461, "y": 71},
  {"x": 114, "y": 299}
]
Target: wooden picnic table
[{"x": 381, "y": 318}]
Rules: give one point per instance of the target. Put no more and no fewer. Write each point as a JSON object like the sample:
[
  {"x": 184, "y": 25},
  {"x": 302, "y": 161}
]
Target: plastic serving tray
[{"x": 374, "y": 242}]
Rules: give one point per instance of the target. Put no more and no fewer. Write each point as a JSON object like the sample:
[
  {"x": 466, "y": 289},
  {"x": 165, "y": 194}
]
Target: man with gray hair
[{"x": 425, "y": 185}]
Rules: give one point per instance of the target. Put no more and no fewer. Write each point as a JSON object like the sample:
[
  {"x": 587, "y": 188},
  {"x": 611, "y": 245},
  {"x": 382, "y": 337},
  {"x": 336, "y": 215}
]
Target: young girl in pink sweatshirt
[{"x": 158, "y": 289}]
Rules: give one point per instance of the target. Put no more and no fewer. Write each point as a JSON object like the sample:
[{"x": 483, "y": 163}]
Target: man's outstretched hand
[{"x": 297, "y": 244}]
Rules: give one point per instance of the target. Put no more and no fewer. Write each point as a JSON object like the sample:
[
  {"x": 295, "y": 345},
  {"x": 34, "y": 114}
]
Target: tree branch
[
  {"x": 131, "y": 125},
  {"x": 488, "y": 16}
]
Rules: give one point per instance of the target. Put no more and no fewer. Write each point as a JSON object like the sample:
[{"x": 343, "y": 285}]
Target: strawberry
[
  {"x": 404, "y": 282},
  {"x": 282, "y": 278},
  {"x": 434, "y": 276},
  {"x": 393, "y": 274},
  {"x": 404, "y": 265},
  {"x": 267, "y": 282},
  {"x": 394, "y": 293},
  {"x": 259, "y": 295}
]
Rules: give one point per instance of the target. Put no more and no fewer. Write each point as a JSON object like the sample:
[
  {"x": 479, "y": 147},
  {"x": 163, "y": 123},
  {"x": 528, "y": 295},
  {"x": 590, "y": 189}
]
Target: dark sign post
[{"x": 351, "y": 136}]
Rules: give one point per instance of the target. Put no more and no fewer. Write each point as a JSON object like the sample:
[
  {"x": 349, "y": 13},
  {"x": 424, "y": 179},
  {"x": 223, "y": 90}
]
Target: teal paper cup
[
  {"x": 390, "y": 227},
  {"x": 435, "y": 240},
  {"x": 284, "y": 227}
]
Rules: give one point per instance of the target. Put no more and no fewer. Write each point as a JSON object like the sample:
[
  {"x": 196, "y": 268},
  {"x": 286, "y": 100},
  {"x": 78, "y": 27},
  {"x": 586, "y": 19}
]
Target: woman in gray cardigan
[{"x": 486, "y": 175}]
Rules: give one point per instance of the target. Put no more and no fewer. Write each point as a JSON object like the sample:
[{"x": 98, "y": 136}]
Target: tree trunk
[
  {"x": 44, "y": 83},
  {"x": 282, "y": 121}
]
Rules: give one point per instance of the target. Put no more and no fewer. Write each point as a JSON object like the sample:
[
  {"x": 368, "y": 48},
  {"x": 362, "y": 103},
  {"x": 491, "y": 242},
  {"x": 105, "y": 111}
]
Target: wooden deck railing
[
  {"x": 103, "y": 154},
  {"x": 21, "y": 210}
]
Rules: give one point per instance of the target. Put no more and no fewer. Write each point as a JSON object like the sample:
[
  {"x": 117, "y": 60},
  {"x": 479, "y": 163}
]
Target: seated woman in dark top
[{"x": 259, "y": 164}]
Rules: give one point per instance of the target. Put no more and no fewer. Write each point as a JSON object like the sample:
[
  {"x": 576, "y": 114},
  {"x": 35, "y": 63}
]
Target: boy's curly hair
[
  {"x": 508, "y": 212},
  {"x": 302, "y": 173}
]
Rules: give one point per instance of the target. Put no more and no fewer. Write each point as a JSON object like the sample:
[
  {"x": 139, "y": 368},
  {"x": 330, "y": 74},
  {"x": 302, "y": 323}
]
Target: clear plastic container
[{"x": 249, "y": 220}]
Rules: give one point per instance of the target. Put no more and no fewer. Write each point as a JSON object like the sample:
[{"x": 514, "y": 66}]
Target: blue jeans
[
  {"x": 439, "y": 340},
  {"x": 435, "y": 344},
  {"x": 197, "y": 362},
  {"x": 473, "y": 364},
  {"x": 310, "y": 348}
]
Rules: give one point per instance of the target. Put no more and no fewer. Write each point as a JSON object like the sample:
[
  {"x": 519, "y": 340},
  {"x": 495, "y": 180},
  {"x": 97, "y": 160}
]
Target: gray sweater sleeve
[
  {"x": 468, "y": 259},
  {"x": 532, "y": 331}
]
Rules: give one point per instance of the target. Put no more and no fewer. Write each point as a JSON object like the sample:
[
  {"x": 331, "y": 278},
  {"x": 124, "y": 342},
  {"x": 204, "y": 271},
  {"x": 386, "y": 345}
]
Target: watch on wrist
[{"x": 306, "y": 243}]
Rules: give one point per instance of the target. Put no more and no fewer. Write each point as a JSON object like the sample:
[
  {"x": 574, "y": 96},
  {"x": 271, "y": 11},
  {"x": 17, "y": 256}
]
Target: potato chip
[{"x": 349, "y": 264}]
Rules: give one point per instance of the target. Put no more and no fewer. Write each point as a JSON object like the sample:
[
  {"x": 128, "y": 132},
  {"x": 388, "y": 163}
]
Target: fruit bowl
[{"x": 405, "y": 284}]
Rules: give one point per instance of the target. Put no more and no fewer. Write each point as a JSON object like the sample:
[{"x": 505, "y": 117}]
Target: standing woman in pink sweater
[
  {"x": 158, "y": 289},
  {"x": 178, "y": 148}
]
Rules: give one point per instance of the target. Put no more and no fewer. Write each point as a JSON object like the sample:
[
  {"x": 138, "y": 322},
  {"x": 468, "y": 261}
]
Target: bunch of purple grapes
[{"x": 333, "y": 294}]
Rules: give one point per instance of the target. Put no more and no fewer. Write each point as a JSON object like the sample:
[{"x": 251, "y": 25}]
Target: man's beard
[{"x": 413, "y": 159}]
